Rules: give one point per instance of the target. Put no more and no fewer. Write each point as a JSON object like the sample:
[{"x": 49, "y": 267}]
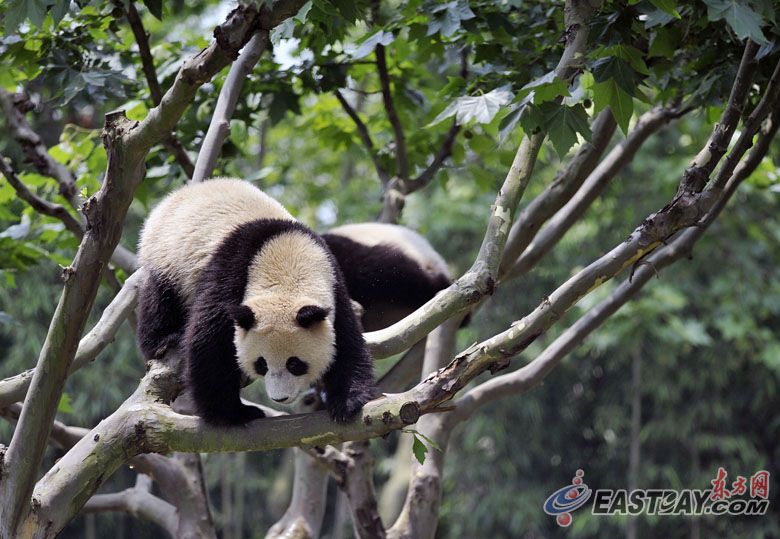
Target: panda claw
[{"x": 345, "y": 410}]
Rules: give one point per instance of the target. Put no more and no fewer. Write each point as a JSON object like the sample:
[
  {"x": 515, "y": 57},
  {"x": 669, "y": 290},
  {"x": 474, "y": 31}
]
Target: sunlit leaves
[
  {"x": 369, "y": 44},
  {"x": 481, "y": 109},
  {"x": 446, "y": 18}
]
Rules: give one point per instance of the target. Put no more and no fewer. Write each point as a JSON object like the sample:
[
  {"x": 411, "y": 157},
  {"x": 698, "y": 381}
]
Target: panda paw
[
  {"x": 344, "y": 409},
  {"x": 237, "y": 417}
]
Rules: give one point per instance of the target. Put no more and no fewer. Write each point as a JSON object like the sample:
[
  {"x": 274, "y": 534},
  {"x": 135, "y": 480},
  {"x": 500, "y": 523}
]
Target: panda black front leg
[
  {"x": 349, "y": 382},
  {"x": 214, "y": 376}
]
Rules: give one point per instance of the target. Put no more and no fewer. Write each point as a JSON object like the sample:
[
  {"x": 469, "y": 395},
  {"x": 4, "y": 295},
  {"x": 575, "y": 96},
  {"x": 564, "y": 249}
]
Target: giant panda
[
  {"x": 389, "y": 269},
  {"x": 245, "y": 288}
]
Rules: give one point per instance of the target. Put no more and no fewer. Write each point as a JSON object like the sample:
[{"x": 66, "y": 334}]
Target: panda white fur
[
  {"x": 245, "y": 287},
  {"x": 389, "y": 269}
]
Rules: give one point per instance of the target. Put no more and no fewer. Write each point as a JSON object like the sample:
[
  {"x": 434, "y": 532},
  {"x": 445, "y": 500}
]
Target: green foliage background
[{"x": 706, "y": 332}]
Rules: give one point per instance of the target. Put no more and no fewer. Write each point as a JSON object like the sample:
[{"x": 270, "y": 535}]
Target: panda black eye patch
[
  {"x": 297, "y": 367},
  {"x": 261, "y": 367}
]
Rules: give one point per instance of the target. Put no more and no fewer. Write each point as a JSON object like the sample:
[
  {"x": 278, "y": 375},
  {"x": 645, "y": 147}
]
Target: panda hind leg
[{"x": 162, "y": 317}]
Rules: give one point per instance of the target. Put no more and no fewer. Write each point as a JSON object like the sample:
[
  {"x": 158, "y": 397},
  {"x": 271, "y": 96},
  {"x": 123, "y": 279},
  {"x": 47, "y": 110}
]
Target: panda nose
[{"x": 283, "y": 399}]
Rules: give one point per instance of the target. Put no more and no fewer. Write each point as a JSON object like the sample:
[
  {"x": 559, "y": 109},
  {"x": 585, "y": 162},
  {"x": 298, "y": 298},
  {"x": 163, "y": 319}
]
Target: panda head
[{"x": 289, "y": 343}]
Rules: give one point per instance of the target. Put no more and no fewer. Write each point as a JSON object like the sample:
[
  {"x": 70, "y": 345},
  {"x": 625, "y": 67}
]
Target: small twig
[
  {"x": 172, "y": 143},
  {"x": 39, "y": 204},
  {"x": 401, "y": 163},
  {"x": 365, "y": 136},
  {"x": 430, "y": 171}
]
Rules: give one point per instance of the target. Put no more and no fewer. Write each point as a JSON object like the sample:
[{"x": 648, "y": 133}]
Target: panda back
[
  {"x": 186, "y": 228},
  {"x": 406, "y": 240}
]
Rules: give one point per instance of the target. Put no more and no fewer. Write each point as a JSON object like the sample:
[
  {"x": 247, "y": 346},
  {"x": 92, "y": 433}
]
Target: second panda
[
  {"x": 389, "y": 269},
  {"x": 244, "y": 287}
]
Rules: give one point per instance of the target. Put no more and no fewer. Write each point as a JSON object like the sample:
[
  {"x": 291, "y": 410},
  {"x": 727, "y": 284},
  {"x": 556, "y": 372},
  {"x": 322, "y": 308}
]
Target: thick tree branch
[
  {"x": 127, "y": 145},
  {"x": 37, "y": 203},
  {"x": 365, "y": 137},
  {"x": 698, "y": 173},
  {"x": 219, "y": 128}
]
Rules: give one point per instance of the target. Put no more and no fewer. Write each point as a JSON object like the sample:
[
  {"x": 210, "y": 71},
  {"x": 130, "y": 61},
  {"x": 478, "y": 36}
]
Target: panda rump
[{"x": 243, "y": 287}]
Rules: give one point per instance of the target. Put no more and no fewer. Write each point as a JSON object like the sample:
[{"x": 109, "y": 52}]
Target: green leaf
[
  {"x": 64, "y": 407},
  {"x": 419, "y": 450},
  {"x": 610, "y": 94},
  {"x": 154, "y": 7},
  {"x": 664, "y": 43},
  {"x": 667, "y": 6},
  {"x": 18, "y": 11},
  {"x": 59, "y": 10},
  {"x": 616, "y": 69},
  {"x": 745, "y": 22},
  {"x": 563, "y": 123}
]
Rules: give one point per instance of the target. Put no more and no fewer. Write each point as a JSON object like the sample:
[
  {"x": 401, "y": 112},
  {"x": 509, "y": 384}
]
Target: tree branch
[
  {"x": 622, "y": 154},
  {"x": 33, "y": 147},
  {"x": 365, "y": 136},
  {"x": 699, "y": 171},
  {"x": 13, "y": 389},
  {"x": 14, "y": 107},
  {"x": 172, "y": 143},
  {"x": 480, "y": 279},
  {"x": 419, "y": 515},
  {"x": 532, "y": 374},
  {"x": 395, "y": 191},
  {"x": 401, "y": 163},
  {"x": 127, "y": 145},
  {"x": 560, "y": 191},
  {"x": 749, "y": 128},
  {"x": 138, "y": 502},
  {"x": 219, "y": 128},
  {"x": 37, "y": 203}
]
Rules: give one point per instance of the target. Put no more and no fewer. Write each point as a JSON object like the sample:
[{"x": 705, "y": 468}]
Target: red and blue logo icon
[{"x": 563, "y": 502}]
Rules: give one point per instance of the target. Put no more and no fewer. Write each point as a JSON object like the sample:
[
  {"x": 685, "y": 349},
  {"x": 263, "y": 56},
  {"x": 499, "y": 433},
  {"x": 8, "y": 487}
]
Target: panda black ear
[
  {"x": 241, "y": 315},
  {"x": 309, "y": 315}
]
